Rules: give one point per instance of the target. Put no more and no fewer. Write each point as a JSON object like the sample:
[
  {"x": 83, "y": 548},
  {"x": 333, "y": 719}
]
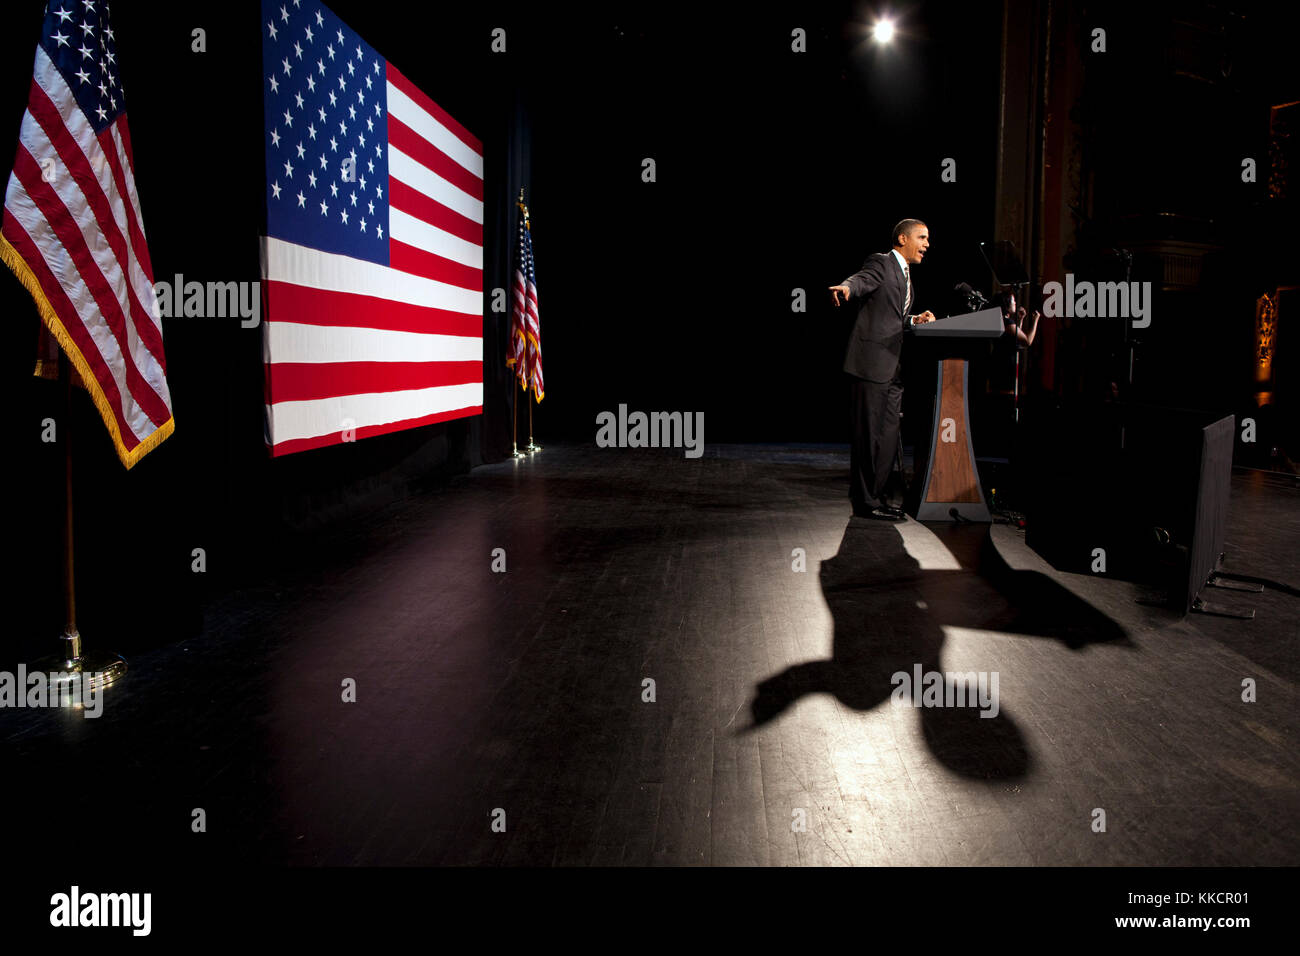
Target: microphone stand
[
  {"x": 1018, "y": 289},
  {"x": 1128, "y": 333}
]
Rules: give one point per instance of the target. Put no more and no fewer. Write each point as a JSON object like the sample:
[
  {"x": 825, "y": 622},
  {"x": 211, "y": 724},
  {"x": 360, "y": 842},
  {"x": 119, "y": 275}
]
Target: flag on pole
[
  {"x": 525, "y": 328},
  {"x": 73, "y": 232},
  {"x": 517, "y": 357},
  {"x": 372, "y": 259}
]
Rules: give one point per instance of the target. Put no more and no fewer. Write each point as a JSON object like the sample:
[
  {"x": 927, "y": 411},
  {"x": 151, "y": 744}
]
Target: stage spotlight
[{"x": 883, "y": 31}]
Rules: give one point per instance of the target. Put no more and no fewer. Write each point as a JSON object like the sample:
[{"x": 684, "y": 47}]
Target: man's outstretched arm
[{"x": 863, "y": 282}]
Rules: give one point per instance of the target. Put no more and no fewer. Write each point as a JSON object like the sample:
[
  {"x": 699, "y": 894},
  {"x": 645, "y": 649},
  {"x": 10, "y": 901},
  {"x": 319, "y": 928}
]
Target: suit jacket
[{"x": 876, "y": 343}]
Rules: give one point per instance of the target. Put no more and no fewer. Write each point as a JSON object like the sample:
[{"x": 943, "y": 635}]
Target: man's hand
[
  {"x": 923, "y": 318},
  {"x": 837, "y": 291}
]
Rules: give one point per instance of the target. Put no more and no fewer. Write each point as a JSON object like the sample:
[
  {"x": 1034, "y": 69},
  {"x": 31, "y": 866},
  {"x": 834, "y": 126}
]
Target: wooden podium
[{"x": 952, "y": 482}]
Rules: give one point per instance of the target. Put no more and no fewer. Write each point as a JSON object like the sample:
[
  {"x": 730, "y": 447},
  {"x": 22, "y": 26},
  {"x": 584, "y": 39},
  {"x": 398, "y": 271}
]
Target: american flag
[
  {"x": 73, "y": 232},
  {"x": 525, "y": 330},
  {"x": 372, "y": 262}
]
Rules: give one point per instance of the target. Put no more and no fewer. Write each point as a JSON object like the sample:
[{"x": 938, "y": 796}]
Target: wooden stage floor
[{"x": 773, "y": 704}]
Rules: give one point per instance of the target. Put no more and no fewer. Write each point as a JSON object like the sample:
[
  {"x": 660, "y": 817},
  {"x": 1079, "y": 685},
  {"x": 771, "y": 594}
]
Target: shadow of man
[{"x": 889, "y": 614}]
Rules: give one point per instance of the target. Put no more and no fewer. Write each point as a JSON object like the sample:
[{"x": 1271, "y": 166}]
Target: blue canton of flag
[
  {"x": 79, "y": 40},
  {"x": 326, "y": 115}
]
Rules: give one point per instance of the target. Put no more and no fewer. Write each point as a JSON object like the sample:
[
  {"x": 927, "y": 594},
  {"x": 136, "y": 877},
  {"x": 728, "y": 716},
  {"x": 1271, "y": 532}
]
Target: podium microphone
[{"x": 973, "y": 296}]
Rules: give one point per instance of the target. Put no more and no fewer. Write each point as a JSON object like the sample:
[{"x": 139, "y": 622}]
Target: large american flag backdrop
[
  {"x": 372, "y": 262},
  {"x": 73, "y": 232}
]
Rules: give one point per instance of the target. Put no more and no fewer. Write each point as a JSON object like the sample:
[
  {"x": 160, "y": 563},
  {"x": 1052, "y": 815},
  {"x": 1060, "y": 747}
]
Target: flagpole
[
  {"x": 71, "y": 638},
  {"x": 70, "y": 664},
  {"x": 514, "y": 420},
  {"x": 532, "y": 446}
]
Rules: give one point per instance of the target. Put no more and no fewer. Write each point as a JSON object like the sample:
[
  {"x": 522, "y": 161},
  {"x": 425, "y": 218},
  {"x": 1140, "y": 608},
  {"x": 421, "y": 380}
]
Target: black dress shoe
[
  {"x": 885, "y": 513},
  {"x": 895, "y": 510}
]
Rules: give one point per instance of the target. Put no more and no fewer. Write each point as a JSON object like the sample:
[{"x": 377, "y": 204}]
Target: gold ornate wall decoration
[
  {"x": 1282, "y": 123},
  {"x": 1265, "y": 336}
]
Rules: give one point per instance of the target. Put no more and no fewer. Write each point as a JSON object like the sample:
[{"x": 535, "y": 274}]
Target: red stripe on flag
[
  {"x": 320, "y": 441},
  {"x": 418, "y": 262},
  {"x": 47, "y": 115},
  {"x": 69, "y": 233},
  {"x": 403, "y": 197},
  {"x": 419, "y": 97},
  {"x": 136, "y": 236},
  {"x": 289, "y": 302},
  {"x": 426, "y": 154},
  {"x": 62, "y": 305},
  {"x": 125, "y": 133},
  {"x": 305, "y": 381}
]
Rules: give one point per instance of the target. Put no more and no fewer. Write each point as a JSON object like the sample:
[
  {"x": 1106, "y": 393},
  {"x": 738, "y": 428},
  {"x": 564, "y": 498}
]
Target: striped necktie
[{"x": 907, "y": 272}]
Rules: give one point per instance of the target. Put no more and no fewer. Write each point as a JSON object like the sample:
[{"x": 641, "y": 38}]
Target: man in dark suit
[{"x": 884, "y": 288}]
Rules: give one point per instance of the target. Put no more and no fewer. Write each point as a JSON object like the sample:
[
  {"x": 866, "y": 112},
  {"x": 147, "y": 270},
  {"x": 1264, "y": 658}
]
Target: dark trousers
[{"x": 875, "y": 411}]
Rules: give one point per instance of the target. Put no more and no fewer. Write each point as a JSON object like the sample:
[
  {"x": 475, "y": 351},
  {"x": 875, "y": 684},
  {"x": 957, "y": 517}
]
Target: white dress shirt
[{"x": 902, "y": 264}]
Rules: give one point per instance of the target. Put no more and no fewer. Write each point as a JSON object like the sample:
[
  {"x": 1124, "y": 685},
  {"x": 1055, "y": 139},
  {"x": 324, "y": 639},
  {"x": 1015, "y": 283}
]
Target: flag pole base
[{"x": 71, "y": 666}]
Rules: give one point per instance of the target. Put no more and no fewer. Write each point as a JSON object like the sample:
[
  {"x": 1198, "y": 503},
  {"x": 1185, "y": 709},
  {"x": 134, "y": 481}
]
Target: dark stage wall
[{"x": 775, "y": 171}]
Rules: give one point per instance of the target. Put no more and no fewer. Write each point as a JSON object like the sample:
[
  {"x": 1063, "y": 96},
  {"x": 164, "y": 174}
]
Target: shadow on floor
[{"x": 889, "y": 616}]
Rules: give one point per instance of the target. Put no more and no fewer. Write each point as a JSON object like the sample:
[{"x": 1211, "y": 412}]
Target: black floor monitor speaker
[{"x": 1137, "y": 492}]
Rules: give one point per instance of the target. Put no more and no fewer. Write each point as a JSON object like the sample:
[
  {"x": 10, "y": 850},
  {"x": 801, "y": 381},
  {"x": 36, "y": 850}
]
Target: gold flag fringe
[{"x": 18, "y": 265}]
